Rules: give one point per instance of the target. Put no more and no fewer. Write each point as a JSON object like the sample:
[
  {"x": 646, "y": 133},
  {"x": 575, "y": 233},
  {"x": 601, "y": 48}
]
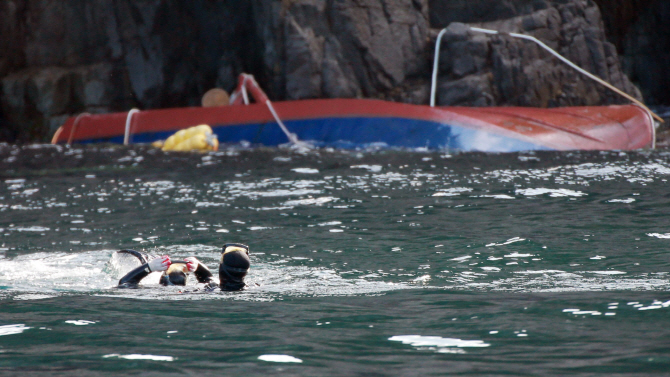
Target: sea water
[{"x": 375, "y": 262}]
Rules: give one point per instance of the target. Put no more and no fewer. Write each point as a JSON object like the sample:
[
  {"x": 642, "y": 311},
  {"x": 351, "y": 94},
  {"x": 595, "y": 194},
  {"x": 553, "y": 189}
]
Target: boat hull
[{"x": 356, "y": 123}]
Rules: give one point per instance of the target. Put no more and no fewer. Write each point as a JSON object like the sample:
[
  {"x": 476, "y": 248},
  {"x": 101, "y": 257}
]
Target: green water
[{"x": 403, "y": 263}]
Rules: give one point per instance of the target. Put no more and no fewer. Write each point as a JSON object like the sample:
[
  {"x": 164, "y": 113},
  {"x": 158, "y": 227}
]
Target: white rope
[
  {"x": 126, "y": 135},
  {"x": 291, "y": 137},
  {"x": 433, "y": 85},
  {"x": 245, "y": 96},
  {"x": 573, "y": 65},
  {"x": 544, "y": 46},
  {"x": 653, "y": 128}
]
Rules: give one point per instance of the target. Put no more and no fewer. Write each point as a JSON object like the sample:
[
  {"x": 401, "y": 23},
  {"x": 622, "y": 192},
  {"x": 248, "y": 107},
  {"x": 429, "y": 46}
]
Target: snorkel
[{"x": 233, "y": 266}]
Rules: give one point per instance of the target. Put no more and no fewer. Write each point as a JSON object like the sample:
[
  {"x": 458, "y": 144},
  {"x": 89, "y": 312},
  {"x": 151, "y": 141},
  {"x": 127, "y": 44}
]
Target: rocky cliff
[{"x": 65, "y": 57}]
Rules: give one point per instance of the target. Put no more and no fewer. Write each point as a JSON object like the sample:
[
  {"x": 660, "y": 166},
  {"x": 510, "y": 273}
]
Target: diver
[{"x": 233, "y": 267}]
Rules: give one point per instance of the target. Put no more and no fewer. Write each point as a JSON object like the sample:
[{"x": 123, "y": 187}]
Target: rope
[
  {"x": 435, "y": 61},
  {"x": 291, "y": 137},
  {"x": 572, "y": 65},
  {"x": 544, "y": 46}
]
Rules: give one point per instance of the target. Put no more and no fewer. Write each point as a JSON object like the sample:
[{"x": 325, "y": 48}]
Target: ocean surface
[{"x": 364, "y": 263}]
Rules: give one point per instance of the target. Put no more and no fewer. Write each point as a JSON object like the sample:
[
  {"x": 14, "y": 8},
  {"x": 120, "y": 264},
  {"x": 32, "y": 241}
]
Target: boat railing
[{"x": 129, "y": 119}]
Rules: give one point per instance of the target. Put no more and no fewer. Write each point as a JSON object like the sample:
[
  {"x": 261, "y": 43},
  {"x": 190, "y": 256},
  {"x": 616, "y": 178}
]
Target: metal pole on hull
[{"x": 129, "y": 118}]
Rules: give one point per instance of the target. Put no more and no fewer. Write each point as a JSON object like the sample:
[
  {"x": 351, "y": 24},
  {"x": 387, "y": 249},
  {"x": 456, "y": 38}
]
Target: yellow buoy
[{"x": 194, "y": 138}]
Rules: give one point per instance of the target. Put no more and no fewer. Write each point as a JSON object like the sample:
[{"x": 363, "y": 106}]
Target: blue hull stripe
[{"x": 359, "y": 132}]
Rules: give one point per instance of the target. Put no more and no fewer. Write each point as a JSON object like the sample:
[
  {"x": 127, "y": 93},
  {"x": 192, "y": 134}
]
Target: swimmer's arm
[
  {"x": 133, "y": 278},
  {"x": 203, "y": 274}
]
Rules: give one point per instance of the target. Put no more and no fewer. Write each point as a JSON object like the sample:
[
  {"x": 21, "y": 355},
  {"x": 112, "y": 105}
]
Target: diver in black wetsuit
[{"x": 233, "y": 267}]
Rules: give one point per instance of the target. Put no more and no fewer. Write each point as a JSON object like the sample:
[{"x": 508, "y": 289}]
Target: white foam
[
  {"x": 13, "y": 329},
  {"x": 494, "y": 269},
  {"x": 279, "y": 358},
  {"x": 79, "y": 322},
  {"x": 372, "y": 168},
  {"x": 305, "y": 170},
  {"x": 624, "y": 201},
  {"x": 497, "y": 196},
  {"x": 518, "y": 255},
  {"x": 330, "y": 223},
  {"x": 260, "y": 227},
  {"x": 211, "y": 204},
  {"x": 554, "y": 193},
  {"x": 509, "y": 241},
  {"x": 437, "y": 341},
  {"x": 659, "y": 235},
  {"x": 453, "y": 191},
  {"x": 30, "y": 229},
  {"x": 135, "y": 356},
  {"x": 15, "y": 181},
  {"x": 311, "y": 201}
]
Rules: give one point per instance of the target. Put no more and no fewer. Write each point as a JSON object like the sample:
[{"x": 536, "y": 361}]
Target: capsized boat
[{"x": 360, "y": 123}]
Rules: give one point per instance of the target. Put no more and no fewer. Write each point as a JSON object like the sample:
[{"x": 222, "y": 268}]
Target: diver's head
[
  {"x": 233, "y": 266},
  {"x": 175, "y": 275}
]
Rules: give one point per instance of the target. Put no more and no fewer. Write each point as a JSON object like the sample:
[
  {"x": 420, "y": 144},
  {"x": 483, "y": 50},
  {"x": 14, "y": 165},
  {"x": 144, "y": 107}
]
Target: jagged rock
[
  {"x": 338, "y": 75},
  {"x": 383, "y": 40},
  {"x": 163, "y": 53},
  {"x": 508, "y": 71},
  {"x": 348, "y": 48},
  {"x": 444, "y": 12},
  {"x": 474, "y": 90},
  {"x": 304, "y": 61}
]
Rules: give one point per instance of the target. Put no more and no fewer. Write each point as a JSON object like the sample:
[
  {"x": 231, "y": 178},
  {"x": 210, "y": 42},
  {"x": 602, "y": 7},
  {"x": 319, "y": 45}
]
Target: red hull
[{"x": 587, "y": 128}]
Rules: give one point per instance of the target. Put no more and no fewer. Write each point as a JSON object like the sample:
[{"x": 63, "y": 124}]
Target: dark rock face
[
  {"x": 346, "y": 48},
  {"x": 444, "y": 12},
  {"x": 484, "y": 70},
  {"x": 98, "y": 55},
  {"x": 645, "y": 52},
  {"x": 60, "y": 58}
]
